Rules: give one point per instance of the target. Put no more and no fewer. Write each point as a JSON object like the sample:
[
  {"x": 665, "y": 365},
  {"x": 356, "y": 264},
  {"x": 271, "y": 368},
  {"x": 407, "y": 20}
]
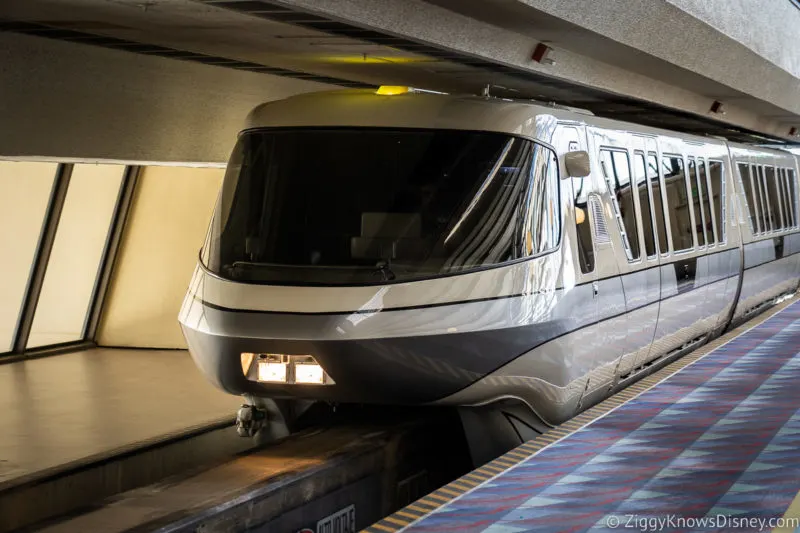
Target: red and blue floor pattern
[{"x": 715, "y": 447}]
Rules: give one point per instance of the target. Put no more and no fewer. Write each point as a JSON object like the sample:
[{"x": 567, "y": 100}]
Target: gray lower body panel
[{"x": 561, "y": 360}]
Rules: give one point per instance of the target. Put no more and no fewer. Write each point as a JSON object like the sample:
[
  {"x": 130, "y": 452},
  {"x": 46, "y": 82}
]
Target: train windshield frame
[{"x": 375, "y": 205}]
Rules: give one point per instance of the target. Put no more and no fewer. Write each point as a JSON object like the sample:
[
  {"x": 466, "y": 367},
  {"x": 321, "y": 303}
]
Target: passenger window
[
  {"x": 718, "y": 194},
  {"x": 709, "y": 210},
  {"x": 792, "y": 191},
  {"x": 697, "y": 204},
  {"x": 680, "y": 221},
  {"x": 758, "y": 198},
  {"x": 642, "y": 184},
  {"x": 781, "y": 184},
  {"x": 761, "y": 190},
  {"x": 776, "y": 211},
  {"x": 658, "y": 204},
  {"x": 618, "y": 178},
  {"x": 545, "y": 225},
  {"x": 749, "y": 194},
  {"x": 580, "y": 191}
]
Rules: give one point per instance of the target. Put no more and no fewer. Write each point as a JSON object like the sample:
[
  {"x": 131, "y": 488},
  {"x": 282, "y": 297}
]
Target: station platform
[
  {"x": 66, "y": 419},
  {"x": 708, "y": 443}
]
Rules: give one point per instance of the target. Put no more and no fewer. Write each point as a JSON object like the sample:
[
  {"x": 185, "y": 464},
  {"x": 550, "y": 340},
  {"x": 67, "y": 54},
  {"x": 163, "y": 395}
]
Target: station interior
[{"x": 119, "y": 117}]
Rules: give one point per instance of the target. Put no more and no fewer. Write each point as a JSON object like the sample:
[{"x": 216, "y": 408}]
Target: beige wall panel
[
  {"x": 165, "y": 230},
  {"x": 77, "y": 250},
  {"x": 24, "y": 194}
]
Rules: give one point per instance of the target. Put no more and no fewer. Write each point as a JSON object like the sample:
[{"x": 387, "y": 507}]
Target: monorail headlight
[
  {"x": 308, "y": 373},
  {"x": 284, "y": 369},
  {"x": 272, "y": 368}
]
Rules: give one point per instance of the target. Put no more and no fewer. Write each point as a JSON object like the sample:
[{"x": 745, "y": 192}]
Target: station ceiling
[{"x": 263, "y": 36}]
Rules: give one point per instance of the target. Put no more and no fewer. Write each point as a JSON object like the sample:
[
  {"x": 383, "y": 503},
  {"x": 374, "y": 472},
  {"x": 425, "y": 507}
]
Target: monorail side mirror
[{"x": 577, "y": 163}]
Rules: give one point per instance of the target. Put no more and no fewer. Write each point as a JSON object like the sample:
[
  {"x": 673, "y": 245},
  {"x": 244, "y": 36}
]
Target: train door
[
  {"x": 580, "y": 279},
  {"x": 643, "y": 288},
  {"x": 611, "y": 329},
  {"x": 682, "y": 316},
  {"x": 623, "y": 166}
]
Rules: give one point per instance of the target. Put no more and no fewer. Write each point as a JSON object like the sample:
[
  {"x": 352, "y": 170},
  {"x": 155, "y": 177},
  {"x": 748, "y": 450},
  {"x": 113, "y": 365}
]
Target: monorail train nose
[{"x": 400, "y": 371}]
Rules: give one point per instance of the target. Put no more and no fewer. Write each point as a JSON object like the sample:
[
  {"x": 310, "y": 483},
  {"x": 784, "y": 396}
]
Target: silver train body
[{"x": 593, "y": 301}]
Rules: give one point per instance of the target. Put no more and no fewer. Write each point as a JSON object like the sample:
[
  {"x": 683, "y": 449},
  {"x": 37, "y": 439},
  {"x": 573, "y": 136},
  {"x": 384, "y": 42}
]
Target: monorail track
[
  {"x": 32, "y": 499},
  {"x": 362, "y": 467}
]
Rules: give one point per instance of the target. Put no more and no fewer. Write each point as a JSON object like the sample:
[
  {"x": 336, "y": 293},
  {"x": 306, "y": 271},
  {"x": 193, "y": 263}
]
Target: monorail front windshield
[{"x": 335, "y": 206}]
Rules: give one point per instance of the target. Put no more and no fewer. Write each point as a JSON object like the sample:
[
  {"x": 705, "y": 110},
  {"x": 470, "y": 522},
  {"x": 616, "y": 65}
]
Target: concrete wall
[
  {"x": 166, "y": 227},
  {"x": 767, "y": 27},
  {"x": 723, "y": 41},
  {"x": 65, "y": 100},
  {"x": 646, "y": 49}
]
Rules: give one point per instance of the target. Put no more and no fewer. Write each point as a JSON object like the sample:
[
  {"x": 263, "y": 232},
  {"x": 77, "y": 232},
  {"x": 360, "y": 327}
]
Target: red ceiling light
[{"x": 542, "y": 53}]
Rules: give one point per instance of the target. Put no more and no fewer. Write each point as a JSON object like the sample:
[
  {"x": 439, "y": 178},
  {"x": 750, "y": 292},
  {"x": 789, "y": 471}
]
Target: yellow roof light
[{"x": 391, "y": 90}]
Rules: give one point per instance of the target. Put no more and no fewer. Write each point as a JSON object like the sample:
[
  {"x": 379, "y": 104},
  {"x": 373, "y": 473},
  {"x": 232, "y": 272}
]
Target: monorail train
[{"x": 402, "y": 247}]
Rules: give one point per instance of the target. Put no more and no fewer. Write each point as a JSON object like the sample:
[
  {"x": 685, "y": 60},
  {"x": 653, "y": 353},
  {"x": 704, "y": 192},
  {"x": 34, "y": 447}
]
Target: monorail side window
[
  {"x": 776, "y": 214},
  {"x": 761, "y": 191},
  {"x": 580, "y": 191},
  {"x": 678, "y": 198},
  {"x": 544, "y": 229},
  {"x": 718, "y": 194},
  {"x": 616, "y": 171},
  {"x": 658, "y": 203},
  {"x": 781, "y": 183},
  {"x": 643, "y": 186},
  {"x": 780, "y": 179},
  {"x": 697, "y": 204},
  {"x": 709, "y": 209},
  {"x": 791, "y": 188},
  {"x": 749, "y": 194}
]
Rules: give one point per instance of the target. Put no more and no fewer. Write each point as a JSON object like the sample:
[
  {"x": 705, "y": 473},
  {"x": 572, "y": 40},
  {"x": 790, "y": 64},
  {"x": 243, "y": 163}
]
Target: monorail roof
[{"x": 365, "y": 108}]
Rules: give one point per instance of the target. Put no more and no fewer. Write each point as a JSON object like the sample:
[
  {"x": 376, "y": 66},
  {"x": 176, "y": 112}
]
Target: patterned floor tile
[{"x": 719, "y": 440}]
